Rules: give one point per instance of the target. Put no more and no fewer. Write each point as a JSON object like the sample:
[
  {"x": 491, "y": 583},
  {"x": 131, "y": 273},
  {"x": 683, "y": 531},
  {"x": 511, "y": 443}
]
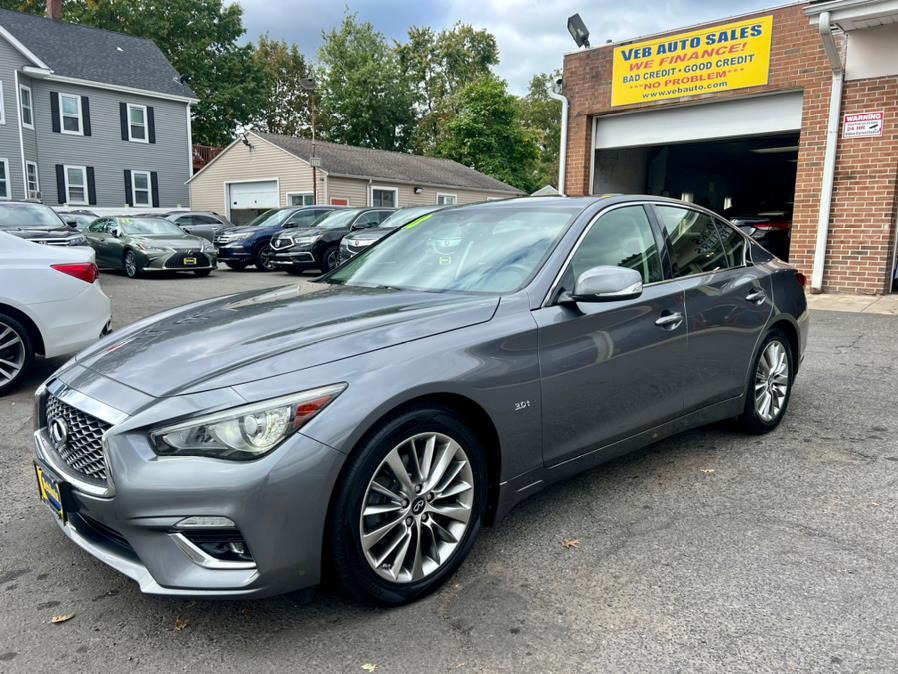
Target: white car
[{"x": 51, "y": 304}]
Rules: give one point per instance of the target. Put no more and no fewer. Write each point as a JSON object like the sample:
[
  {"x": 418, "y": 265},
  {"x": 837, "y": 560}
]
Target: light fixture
[
  {"x": 418, "y": 190},
  {"x": 245, "y": 140},
  {"x": 775, "y": 150},
  {"x": 578, "y": 30}
]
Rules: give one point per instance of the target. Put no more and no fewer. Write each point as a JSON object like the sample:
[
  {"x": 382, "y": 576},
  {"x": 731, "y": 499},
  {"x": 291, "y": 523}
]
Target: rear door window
[{"x": 693, "y": 239}]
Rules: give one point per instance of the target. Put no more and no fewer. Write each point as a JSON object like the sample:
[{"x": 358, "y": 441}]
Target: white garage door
[
  {"x": 729, "y": 119},
  {"x": 255, "y": 195}
]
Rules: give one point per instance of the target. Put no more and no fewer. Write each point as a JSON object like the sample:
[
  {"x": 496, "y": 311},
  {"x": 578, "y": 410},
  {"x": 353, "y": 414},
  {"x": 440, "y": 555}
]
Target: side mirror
[
  {"x": 72, "y": 223},
  {"x": 605, "y": 284},
  {"x": 115, "y": 232}
]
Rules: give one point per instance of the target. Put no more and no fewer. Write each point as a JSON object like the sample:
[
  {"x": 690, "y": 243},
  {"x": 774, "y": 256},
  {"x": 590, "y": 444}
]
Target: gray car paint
[{"x": 505, "y": 361}]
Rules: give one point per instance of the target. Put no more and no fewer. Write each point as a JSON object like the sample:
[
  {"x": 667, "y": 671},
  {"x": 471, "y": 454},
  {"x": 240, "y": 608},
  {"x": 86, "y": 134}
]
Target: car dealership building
[{"x": 790, "y": 113}]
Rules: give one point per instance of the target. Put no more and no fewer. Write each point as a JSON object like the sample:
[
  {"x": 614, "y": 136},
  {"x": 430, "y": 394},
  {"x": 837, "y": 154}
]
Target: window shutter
[
  {"x": 60, "y": 183},
  {"x": 91, "y": 187},
  {"x": 85, "y": 114},
  {"x": 129, "y": 196},
  {"x": 151, "y": 124},
  {"x": 123, "y": 114},
  {"x": 154, "y": 186},
  {"x": 54, "y": 111}
]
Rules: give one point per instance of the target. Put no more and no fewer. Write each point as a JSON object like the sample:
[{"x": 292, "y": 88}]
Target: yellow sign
[{"x": 710, "y": 60}]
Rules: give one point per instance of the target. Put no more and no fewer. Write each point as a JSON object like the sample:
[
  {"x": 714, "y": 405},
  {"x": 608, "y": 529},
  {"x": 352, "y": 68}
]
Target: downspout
[
  {"x": 562, "y": 151},
  {"x": 829, "y": 157}
]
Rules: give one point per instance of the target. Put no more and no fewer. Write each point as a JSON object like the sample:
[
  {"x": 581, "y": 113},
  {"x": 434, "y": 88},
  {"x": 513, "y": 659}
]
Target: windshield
[
  {"x": 337, "y": 219},
  {"x": 149, "y": 227},
  {"x": 28, "y": 215},
  {"x": 81, "y": 220},
  {"x": 405, "y": 215},
  {"x": 474, "y": 249},
  {"x": 273, "y": 218}
]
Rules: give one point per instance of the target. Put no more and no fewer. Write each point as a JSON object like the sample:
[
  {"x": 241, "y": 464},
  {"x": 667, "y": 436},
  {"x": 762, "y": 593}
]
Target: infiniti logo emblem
[
  {"x": 59, "y": 432},
  {"x": 418, "y": 506}
]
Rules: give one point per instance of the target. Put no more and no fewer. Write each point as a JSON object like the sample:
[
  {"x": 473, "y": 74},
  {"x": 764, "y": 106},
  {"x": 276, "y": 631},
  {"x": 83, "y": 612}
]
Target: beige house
[{"x": 259, "y": 171}]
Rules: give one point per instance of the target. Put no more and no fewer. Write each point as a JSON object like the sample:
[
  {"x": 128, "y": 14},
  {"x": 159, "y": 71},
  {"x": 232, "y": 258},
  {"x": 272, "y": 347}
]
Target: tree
[
  {"x": 366, "y": 98},
  {"x": 287, "y": 106},
  {"x": 199, "y": 38},
  {"x": 486, "y": 133},
  {"x": 439, "y": 64},
  {"x": 542, "y": 116}
]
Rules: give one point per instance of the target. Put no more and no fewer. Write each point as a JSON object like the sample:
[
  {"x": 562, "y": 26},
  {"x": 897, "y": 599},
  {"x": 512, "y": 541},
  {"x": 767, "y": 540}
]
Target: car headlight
[
  {"x": 305, "y": 240},
  {"x": 79, "y": 240},
  {"x": 245, "y": 432},
  {"x": 149, "y": 248}
]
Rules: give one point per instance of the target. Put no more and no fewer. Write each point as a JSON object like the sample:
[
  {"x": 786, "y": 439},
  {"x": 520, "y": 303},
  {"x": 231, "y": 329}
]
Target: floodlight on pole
[
  {"x": 578, "y": 30},
  {"x": 310, "y": 85}
]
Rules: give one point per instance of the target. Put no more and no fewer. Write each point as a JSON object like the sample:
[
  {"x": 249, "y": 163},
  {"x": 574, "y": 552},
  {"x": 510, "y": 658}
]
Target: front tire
[
  {"x": 262, "y": 258},
  {"x": 330, "y": 258},
  {"x": 770, "y": 385},
  {"x": 408, "y": 508},
  {"x": 16, "y": 353},
  {"x": 130, "y": 264}
]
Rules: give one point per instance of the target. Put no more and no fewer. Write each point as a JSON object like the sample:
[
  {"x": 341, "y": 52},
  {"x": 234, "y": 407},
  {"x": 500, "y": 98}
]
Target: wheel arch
[
  {"x": 34, "y": 333},
  {"x": 788, "y": 328}
]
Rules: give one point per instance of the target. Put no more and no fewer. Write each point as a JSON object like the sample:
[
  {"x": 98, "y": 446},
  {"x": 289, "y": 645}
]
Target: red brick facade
[{"x": 865, "y": 198}]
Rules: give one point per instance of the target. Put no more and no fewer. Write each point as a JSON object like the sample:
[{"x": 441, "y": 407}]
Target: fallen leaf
[
  {"x": 570, "y": 543},
  {"x": 55, "y": 620},
  {"x": 369, "y": 666},
  {"x": 708, "y": 471},
  {"x": 874, "y": 504},
  {"x": 181, "y": 623}
]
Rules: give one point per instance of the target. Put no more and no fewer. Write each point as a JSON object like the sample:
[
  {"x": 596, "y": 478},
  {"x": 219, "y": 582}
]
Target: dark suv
[
  {"x": 318, "y": 246},
  {"x": 206, "y": 224},
  {"x": 38, "y": 223},
  {"x": 242, "y": 246}
]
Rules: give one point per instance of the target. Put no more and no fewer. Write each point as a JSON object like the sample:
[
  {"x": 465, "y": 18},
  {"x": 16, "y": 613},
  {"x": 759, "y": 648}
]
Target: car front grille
[
  {"x": 81, "y": 447},
  {"x": 60, "y": 241},
  {"x": 176, "y": 261}
]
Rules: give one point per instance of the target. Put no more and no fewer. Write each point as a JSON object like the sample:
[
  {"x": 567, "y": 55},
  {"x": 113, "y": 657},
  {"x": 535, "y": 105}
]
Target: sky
[{"x": 532, "y": 34}]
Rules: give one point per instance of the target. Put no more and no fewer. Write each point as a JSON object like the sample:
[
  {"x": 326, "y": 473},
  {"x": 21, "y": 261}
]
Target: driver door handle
[
  {"x": 670, "y": 321},
  {"x": 756, "y": 296}
]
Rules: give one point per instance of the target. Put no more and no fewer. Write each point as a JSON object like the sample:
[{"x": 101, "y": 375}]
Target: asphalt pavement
[{"x": 712, "y": 551}]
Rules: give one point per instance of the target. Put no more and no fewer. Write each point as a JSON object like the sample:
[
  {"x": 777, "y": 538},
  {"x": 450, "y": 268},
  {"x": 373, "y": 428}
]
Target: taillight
[
  {"x": 85, "y": 271},
  {"x": 802, "y": 279},
  {"x": 768, "y": 226}
]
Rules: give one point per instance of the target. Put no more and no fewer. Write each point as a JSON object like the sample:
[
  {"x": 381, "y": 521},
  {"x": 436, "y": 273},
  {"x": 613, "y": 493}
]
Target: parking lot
[{"x": 711, "y": 551}]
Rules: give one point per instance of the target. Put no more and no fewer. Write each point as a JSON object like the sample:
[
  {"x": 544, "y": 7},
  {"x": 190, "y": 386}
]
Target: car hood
[
  {"x": 38, "y": 231},
  {"x": 250, "y": 336},
  {"x": 372, "y": 234},
  {"x": 169, "y": 241}
]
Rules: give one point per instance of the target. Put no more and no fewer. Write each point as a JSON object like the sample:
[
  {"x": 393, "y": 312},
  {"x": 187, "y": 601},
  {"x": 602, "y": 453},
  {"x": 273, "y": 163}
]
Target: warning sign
[{"x": 862, "y": 124}]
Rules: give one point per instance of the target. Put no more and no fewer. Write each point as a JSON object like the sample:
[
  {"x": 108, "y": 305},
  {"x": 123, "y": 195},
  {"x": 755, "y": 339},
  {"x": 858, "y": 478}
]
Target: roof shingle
[
  {"x": 95, "y": 54},
  {"x": 362, "y": 162}
]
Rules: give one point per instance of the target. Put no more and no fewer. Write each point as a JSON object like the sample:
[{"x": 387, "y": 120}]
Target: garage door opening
[
  {"x": 246, "y": 200},
  {"x": 749, "y": 180}
]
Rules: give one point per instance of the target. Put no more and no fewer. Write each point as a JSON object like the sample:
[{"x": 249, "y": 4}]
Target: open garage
[
  {"x": 248, "y": 199},
  {"x": 786, "y": 116}
]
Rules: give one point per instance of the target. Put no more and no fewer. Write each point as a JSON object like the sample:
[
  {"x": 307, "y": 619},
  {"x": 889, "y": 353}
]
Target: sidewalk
[{"x": 858, "y": 304}]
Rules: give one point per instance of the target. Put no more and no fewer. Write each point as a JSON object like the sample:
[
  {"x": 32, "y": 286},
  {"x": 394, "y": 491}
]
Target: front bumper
[
  {"x": 234, "y": 251},
  {"x": 278, "y": 502},
  {"x": 168, "y": 261},
  {"x": 294, "y": 257}
]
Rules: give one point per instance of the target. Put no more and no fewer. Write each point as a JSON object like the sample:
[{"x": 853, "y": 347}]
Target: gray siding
[
  {"x": 105, "y": 150},
  {"x": 10, "y": 62}
]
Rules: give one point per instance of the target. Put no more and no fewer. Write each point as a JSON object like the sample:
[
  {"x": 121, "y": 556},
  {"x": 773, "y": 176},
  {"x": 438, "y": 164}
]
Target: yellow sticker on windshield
[
  {"x": 125, "y": 221},
  {"x": 415, "y": 223}
]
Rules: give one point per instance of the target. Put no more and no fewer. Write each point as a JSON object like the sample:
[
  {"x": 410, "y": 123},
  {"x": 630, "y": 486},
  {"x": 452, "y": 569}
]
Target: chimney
[{"x": 54, "y": 9}]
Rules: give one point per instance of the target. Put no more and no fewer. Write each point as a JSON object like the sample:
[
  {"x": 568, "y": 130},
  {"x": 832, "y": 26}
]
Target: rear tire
[
  {"x": 423, "y": 546},
  {"x": 236, "y": 266},
  {"x": 16, "y": 353},
  {"x": 769, "y": 385},
  {"x": 262, "y": 258}
]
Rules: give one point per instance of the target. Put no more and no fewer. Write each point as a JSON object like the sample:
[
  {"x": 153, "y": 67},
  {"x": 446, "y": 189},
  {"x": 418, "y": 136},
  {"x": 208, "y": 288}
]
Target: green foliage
[
  {"x": 542, "y": 116},
  {"x": 366, "y": 98},
  {"x": 486, "y": 133},
  {"x": 287, "y": 106}
]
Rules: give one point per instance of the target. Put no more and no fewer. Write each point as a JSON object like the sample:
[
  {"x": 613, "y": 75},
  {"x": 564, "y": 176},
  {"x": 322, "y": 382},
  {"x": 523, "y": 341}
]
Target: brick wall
[{"x": 862, "y": 229}]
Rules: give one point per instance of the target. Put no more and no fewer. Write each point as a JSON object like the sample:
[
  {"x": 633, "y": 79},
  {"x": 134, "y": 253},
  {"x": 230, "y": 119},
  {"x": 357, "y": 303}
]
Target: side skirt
[{"x": 520, "y": 487}]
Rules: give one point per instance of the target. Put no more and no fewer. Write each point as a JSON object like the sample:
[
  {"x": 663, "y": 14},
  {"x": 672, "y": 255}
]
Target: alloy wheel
[
  {"x": 130, "y": 264},
  {"x": 333, "y": 258},
  {"x": 417, "y": 508},
  {"x": 12, "y": 354},
  {"x": 771, "y": 381},
  {"x": 265, "y": 260}
]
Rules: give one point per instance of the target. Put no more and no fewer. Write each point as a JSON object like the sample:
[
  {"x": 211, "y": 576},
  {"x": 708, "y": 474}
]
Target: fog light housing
[{"x": 215, "y": 548}]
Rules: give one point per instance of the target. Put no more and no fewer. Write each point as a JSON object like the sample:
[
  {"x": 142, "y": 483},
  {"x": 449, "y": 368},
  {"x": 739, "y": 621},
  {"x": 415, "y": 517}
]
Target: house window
[
  {"x": 300, "y": 199},
  {"x": 75, "y": 184},
  {"x": 384, "y": 196},
  {"x": 27, "y": 111},
  {"x": 34, "y": 185},
  {"x": 446, "y": 199},
  {"x": 4, "y": 179},
  {"x": 140, "y": 188},
  {"x": 70, "y": 114},
  {"x": 137, "y": 123}
]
